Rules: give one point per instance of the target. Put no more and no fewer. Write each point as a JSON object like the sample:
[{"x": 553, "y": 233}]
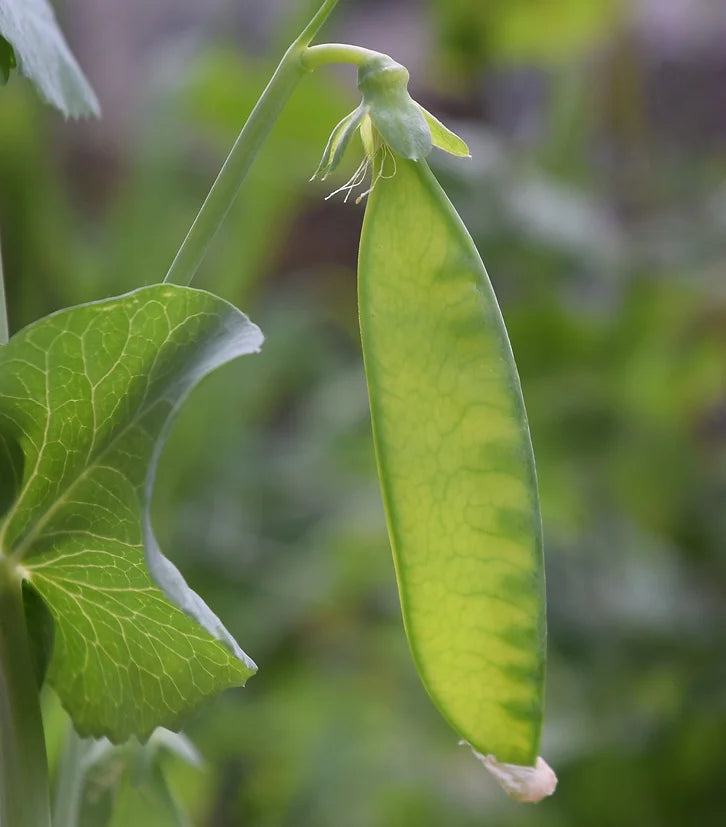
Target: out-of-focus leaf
[
  {"x": 148, "y": 803},
  {"x": 473, "y": 33},
  {"x": 132, "y": 779},
  {"x": 43, "y": 56}
]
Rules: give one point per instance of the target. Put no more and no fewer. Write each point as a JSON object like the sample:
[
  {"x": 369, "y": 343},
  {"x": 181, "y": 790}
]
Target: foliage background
[{"x": 596, "y": 194}]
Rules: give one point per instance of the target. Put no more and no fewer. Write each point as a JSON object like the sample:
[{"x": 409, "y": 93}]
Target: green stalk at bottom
[
  {"x": 24, "y": 790},
  {"x": 69, "y": 780}
]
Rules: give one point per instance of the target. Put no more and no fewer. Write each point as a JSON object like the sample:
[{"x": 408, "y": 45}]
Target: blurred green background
[{"x": 597, "y": 196}]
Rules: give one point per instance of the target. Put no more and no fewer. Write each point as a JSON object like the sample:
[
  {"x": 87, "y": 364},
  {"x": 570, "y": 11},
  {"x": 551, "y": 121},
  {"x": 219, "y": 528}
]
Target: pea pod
[{"x": 456, "y": 465}]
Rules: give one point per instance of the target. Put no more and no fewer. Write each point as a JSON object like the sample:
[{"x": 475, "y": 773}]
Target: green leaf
[
  {"x": 43, "y": 55},
  {"x": 456, "y": 466},
  {"x": 86, "y": 399}
]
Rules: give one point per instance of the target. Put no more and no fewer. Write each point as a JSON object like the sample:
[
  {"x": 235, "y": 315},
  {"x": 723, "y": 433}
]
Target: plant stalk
[
  {"x": 24, "y": 789},
  {"x": 69, "y": 782},
  {"x": 4, "y": 331},
  {"x": 234, "y": 170},
  {"x": 327, "y": 53}
]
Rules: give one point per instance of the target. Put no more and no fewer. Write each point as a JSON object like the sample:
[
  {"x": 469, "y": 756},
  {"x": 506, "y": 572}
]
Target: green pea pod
[{"x": 456, "y": 465}]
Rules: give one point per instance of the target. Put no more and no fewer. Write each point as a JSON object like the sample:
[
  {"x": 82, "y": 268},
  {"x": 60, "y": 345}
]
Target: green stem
[
  {"x": 314, "y": 26},
  {"x": 4, "y": 331},
  {"x": 261, "y": 120},
  {"x": 24, "y": 791},
  {"x": 69, "y": 781},
  {"x": 327, "y": 53}
]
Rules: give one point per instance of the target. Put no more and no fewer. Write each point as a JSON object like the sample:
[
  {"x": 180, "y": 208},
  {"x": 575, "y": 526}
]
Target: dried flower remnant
[{"x": 526, "y": 784}]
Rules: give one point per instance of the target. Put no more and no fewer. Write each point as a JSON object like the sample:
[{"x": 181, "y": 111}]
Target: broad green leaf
[
  {"x": 86, "y": 398},
  {"x": 456, "y": 466},
  {"x": 42, "y": 55}
]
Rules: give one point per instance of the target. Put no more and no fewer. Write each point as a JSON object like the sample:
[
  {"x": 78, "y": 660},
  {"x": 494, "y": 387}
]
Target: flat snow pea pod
[{"x": 456, "y": 465}]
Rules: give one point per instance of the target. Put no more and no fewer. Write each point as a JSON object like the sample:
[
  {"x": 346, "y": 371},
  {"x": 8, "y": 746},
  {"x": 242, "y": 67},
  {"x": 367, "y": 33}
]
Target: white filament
[{"x": 359, "y": 176}]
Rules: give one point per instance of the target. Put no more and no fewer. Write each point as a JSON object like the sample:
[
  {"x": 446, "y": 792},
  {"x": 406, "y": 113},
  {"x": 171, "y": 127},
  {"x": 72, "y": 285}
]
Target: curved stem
[
  {"x": 327, "y": 53},
  {"x": 234, "y": 170},
  {"x": 24, "y": 790}
]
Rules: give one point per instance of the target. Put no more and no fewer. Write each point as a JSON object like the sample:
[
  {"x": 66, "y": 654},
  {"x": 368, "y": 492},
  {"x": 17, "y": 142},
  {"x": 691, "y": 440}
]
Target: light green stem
[
  {"x": 24, "y": 791},
  {"x": 327, "y": 53},
  {"x": 69, "y": 781},
  {"x": 261, "y": 120},
  {"x": 4, "y": 331}
]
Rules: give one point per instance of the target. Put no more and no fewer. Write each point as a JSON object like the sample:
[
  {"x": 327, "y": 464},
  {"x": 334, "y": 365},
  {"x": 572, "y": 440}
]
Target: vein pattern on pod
[{"x": 456, "y": 465}]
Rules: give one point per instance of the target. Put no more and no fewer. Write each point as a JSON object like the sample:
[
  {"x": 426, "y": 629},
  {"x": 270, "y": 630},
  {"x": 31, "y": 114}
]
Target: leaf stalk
[
  {"x": 218, "y": 202},
  {"x": 326, "y": 53},
  {"x": 24, "y": 788},
  {"x": 69, "y": 781}
]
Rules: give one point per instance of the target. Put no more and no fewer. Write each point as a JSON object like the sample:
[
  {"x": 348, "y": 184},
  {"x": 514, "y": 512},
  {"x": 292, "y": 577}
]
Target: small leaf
[
  {"x": 43, "y": 56},
  {"x": 88, "y": 395}
]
